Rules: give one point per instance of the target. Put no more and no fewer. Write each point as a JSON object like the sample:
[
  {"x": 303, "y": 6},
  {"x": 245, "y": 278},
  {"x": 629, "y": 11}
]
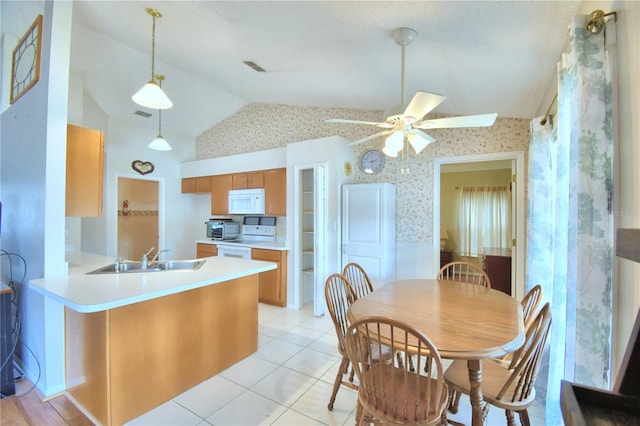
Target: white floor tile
[
  {"x": 310, "y": 362},
  {"x": 322, "y": 323},
  {"x": 248, "y": 409},
  {"x": 284, "y": 386},
  {"x": 209, "y": 396},
  {"x": 313, "y": 403},
  {"x": 249, "y": 371},
  {"x": 293, "y": 418},
  {"x": 169, "y": 414},
  {"x": 327, "y": 343},
  {"x": 300, "y": 336},
  {"x": 278, "y": 351}
]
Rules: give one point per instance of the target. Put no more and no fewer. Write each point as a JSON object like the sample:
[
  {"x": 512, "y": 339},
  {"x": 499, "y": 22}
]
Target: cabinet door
[
  {"x": 255, "y": 180},
  {"x": 85, "y": 165},
  {"x": 239, "y": 181},
  {"x": 275, "y": 189},
  {"x": 188, "y": 185},
  {"x": 203, "y": 184},
  {"x": 271, "y": 284},
  {"x": 220, "y": 186},
  {"x": 206, "y": 250}
]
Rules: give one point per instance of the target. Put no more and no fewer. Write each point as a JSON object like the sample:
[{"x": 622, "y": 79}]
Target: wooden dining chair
[
  {"x": 530, "y": 303},
  {"x": 389, "y": 393},
  {"x": 358, "y": 278},
  {"x": 464, "y": 272},
  {"x": 510, "y": 389}
]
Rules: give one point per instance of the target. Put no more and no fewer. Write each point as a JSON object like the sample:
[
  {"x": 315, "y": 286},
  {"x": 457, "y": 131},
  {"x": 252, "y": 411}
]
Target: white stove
[{"x": 251, "y": 234}]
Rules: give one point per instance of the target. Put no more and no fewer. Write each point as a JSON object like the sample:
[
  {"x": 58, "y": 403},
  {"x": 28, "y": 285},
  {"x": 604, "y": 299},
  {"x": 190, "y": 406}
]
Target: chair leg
[
  {"x": 342, "y": 370},
  {"x": 524, "y": 417},
  {"x": 455, "y": 401},
  {"x": 359, "y": 414},
  {"x": 510, "y": 418}
]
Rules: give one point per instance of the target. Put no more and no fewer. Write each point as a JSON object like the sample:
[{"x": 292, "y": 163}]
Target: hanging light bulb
[
  {"x": 394, "y": 143},
  {"x": 159, "y": 143},
  {"x": 151, "y": 95},
  {"x": 419, "y": 140}
]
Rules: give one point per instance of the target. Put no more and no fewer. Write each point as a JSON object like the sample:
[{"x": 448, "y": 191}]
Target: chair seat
[
  {"x": 403, "y": 384},
  {"x": 494, "y": 376}
]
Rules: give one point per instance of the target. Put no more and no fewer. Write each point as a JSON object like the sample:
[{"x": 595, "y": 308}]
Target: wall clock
[
  {"x": 372, "y": 161},
  {"x": 25, "y": 65}
]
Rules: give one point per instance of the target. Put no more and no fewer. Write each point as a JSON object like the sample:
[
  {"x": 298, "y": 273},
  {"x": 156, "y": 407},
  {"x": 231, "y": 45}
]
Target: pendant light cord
[{"x": 153, "y": 49}]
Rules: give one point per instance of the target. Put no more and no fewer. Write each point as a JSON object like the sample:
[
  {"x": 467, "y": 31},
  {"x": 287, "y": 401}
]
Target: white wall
[{"x": 33, "y": 141}]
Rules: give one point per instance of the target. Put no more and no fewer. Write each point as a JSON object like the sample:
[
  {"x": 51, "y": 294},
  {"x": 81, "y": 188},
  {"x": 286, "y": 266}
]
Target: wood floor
[{"x": 29, "y": 409}]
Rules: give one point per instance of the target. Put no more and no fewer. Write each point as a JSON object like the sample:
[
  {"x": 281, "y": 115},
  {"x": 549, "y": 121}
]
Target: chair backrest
[
  {"x": 530, "y": 303},
  {"x": 397, "y": 394},
  {"x": 526, "y": 360},
  {"x": 358, "y": 278},
  {"x": 339, "y": 295},
  {"x": 464, "y": 272}
]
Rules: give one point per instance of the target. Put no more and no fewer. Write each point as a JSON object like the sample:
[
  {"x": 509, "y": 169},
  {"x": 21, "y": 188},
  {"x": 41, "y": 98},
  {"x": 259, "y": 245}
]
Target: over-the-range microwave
[{"x": 246, "y": 201}]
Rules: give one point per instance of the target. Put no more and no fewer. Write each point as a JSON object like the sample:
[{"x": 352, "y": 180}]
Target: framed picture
[{"x": 25, "y": 66}]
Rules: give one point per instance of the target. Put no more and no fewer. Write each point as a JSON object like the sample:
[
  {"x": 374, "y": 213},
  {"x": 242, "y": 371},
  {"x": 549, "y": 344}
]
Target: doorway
[
  {"x": 513, "y": 162},
  {"x": 138, "y": 214}
]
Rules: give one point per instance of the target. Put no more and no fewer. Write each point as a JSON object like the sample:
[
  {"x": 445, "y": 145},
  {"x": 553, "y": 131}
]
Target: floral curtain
[
  {"x": 570, "y": 220},
  {"x": 484, "y": 219}
]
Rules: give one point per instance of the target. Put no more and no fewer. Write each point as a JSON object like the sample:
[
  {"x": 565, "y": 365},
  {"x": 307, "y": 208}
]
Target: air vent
[
  {"x": 143, "y": 114},
  {"x": 255, "y": 66}
]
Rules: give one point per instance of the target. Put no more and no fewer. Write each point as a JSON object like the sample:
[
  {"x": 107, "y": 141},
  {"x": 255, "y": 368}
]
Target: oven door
[{"x": 228, "y": 250}]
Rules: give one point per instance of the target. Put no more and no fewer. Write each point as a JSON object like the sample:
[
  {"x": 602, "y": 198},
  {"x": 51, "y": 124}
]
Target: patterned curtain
[{"x": 570, "y": 218}]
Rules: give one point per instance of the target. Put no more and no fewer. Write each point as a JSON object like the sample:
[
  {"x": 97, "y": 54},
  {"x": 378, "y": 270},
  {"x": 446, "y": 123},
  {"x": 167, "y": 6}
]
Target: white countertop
[
  {"x": 267, "y": 245},
  {"x": 99, "y": 292}
]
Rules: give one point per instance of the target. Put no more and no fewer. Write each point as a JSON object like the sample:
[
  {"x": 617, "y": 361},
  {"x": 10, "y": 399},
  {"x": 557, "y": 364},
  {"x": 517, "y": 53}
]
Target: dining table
[{"x": 464, "y": 321}]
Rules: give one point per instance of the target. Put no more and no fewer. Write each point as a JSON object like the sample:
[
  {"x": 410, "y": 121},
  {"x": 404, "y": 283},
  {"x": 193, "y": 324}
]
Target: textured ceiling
[{"x": 485, "y": 56}]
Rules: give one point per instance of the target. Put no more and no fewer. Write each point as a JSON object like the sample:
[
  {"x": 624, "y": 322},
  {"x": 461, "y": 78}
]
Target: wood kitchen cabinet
[
  {"x": 272, "y": 285},
  {"x": 275, "y": 192},
  {"x": 497, "y": 265},
  {"x": 85, "y": 171},
  {"x": 200, "y": 184},
  {"x": 220, "y": 186},
  {"x": 206, "y": 250},
  {"x": 249, "y": 180}
]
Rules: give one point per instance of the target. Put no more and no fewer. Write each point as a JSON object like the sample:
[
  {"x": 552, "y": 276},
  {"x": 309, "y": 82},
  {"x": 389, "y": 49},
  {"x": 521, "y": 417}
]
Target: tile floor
[{"x": 288, "y": 381}]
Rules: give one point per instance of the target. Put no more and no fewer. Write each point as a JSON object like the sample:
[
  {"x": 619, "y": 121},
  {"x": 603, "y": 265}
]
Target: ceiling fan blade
[
  {"x": 481, "y": 120},
  {"x": 371, "y": 123},
  {"x": 368, "y": 138},
  {"x": 422, "y": 103}
]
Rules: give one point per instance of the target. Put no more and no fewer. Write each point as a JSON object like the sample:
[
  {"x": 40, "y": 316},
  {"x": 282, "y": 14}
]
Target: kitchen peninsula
[{"x": 135, "y": 340}]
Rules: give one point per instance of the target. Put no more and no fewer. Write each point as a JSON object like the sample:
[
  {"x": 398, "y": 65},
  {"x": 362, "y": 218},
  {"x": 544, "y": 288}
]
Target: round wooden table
[{"x": 464, "y": 321}]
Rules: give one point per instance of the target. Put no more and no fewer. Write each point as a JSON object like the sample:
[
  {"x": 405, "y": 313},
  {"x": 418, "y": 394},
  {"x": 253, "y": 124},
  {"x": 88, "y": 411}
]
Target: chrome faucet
[
  {"x": 145, "y": 259},
  {"x": 116, "y": 264},
  {"x": 155, "y": 258}
]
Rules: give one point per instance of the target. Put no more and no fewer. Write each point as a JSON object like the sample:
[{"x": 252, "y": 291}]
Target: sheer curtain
[
  {"x": 570, "y": 220},
  {"x": 484, "y": 219}
]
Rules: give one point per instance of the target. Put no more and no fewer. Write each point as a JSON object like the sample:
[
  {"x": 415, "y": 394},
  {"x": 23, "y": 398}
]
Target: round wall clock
[{"x": 372, "y": 161}]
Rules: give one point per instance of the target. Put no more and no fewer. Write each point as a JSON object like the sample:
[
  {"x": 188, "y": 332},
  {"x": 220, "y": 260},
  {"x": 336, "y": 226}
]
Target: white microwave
[{"x": 246, "y": 201}]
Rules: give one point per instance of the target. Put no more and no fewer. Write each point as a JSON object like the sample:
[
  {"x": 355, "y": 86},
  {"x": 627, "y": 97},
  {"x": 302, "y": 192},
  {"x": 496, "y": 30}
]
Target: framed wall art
[{"x": 25, "y": 65}]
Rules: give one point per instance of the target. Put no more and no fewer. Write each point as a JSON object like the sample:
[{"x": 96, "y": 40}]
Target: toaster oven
[{"x": 222, "y": 229}]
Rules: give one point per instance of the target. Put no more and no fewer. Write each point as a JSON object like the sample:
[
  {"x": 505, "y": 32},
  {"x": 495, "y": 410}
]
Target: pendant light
[
  {"x": 159, "y": 143},
  {"x": 151, "y": 94}
]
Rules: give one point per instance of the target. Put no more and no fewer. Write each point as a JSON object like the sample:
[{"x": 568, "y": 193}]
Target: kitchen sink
[{"x": 128, "y": 267}]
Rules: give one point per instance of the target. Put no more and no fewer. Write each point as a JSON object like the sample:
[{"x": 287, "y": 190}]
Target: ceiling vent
[
  {"x": 142, "y": 114},
  {"x": 255, "y": 66}
]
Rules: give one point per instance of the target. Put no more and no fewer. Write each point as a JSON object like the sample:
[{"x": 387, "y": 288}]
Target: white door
[
  {"x": 319, "y": 251},
  {"x": 368, "y": 229}
]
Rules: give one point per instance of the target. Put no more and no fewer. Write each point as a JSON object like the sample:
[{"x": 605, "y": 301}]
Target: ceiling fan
[{"x": 411, "y": 122}]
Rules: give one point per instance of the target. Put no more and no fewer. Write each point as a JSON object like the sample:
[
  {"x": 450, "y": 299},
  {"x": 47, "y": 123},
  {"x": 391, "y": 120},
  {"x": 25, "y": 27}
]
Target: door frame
[
  {"x": 161, "y": 209},
  {"x": 517, "y": 158}
]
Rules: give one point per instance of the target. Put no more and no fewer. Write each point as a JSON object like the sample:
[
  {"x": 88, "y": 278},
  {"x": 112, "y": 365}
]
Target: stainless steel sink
[{"x": 128, "y": 267}]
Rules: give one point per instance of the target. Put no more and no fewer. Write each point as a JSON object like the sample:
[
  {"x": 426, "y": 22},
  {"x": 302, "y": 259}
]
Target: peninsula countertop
[
  {"x": 93, "y": 293},
  {"x": 267, "y": 245}
]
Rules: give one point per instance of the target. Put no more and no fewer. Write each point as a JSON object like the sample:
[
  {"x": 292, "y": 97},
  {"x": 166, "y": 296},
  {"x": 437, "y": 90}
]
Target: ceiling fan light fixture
[
  {"x": 390, "y": 152},
  {"x": 151, "y": 95},
  {"x": 419, "y": 142}
]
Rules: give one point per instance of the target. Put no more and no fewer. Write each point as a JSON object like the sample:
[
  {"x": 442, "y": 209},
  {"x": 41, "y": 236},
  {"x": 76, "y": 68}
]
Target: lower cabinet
[
  {"x": 272, "y": 285},
  {"x": 497, "y": 265},
  {"x": 206, "y": 250}
]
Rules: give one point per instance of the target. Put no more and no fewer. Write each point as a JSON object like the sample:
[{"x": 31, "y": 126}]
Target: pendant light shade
[
  {"x": 151, "y": 95},
  {"x": 419, "y": 141},
  {"x": 159, "y": 143},
  {"x": 394, "y": 143}
]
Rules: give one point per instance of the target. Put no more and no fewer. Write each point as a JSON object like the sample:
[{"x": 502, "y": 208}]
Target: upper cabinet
[
  {"x": 201, "y": 184},
  {"x": 220, "y": 186},
  {"x": 275, "y": 192},
  {"x": 85, "y": 170}
]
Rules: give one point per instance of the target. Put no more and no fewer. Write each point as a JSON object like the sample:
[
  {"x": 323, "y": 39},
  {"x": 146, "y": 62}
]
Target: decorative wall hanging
[
  {"x": 142, "y": 167},
  {"x": 25, "y": 65}
]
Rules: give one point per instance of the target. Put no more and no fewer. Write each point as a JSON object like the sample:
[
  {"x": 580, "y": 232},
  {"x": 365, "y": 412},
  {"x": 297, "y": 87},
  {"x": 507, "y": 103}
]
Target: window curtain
[
  {"x": 570, "y": 219},
  {"x": 484, "y": 219}
]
